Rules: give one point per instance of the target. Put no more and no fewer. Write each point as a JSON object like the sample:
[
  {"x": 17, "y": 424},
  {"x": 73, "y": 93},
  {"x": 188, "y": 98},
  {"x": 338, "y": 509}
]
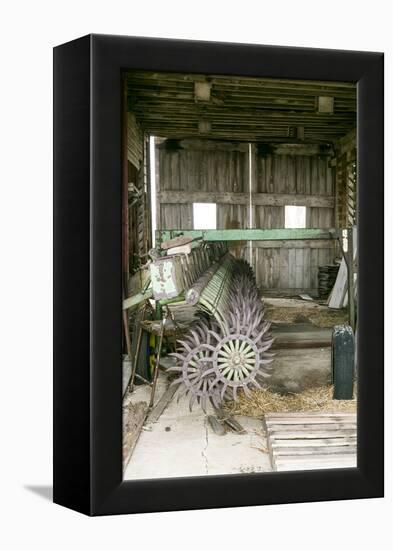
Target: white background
[{"x": 29, "y": 30}]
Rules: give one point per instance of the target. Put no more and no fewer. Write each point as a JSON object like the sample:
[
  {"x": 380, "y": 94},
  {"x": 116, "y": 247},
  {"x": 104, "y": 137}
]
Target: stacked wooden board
[{"x": 311, "y": 441}]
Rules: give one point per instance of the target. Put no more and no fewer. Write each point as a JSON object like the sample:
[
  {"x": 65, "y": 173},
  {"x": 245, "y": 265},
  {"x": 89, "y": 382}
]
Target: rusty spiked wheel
[
  {"x": 194, "y": 359},
  {"x": 227, "y": 350}
]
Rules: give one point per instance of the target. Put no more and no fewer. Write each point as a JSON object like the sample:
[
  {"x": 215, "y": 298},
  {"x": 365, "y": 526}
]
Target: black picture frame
[{"x": 87, "y": 275}]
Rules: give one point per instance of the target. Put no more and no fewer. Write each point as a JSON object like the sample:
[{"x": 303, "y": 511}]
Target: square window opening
[
  {"x": 205, "y": 215},
  {"x": 295, "y": 217}
]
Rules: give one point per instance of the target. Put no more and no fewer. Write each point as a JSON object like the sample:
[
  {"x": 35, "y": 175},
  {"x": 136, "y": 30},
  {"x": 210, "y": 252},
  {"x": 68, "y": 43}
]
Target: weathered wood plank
[
  {"x": 339, "y": 288},
  {"x": 317, "y": 338},
  {"x": 229, "y": 421},
  {"x": 133, "y": 420},
  {"x": 162, "y": 404},
  {"x": 292, "y": 270},
  {"x": 332, "y": 430},
  {"x": 315, "y": 463},
  {"x": 328, "y": 442},
  {"x": 311, "y": 414},
  {"x": 216, "y": 425},
  {"x": 281, "y": 451},
  {"x": 312, "y": 422},
  {"x": 300, "y": 344},
  {"x": 313, "y": 434},
  {"x": 298, "y": 267},
  {"x": 259, "y": 199},
  {"x": 319, "y": 442},
  {"x": 213, "y": 145}
]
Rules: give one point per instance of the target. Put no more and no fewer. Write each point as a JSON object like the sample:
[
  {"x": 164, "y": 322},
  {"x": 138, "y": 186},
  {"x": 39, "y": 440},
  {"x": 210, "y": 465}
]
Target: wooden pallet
[{"x": 311, "y": 441}]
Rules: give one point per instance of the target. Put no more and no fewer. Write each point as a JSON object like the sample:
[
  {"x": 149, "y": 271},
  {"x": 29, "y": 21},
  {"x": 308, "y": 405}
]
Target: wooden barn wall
[
  {"x": 201, "y": 171},
  {"x": 292, "y": 266},
  {"x": 289, "y": 266},
  {"x": 138, "y": 195},
  {"x": 345, "y": 162},
  {"x": 134, "y": 141}
]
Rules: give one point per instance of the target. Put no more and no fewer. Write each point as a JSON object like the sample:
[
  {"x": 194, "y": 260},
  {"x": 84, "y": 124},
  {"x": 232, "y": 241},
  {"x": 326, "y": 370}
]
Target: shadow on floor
[{"x": 44, "y": 491}]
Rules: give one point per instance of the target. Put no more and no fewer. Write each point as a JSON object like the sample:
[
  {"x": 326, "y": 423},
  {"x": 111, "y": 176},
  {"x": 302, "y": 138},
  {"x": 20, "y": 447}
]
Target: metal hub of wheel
[
  {"x": 237, "y": 362},
  {"x": 235, "y": 359}
]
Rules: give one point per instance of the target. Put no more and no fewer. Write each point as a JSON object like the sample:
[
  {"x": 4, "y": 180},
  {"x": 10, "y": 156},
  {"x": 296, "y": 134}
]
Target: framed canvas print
[{"x": 218, "y": 274}]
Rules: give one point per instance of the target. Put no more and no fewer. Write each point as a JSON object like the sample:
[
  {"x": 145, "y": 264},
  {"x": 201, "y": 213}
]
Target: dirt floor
[{"x": 296, "y": 310}]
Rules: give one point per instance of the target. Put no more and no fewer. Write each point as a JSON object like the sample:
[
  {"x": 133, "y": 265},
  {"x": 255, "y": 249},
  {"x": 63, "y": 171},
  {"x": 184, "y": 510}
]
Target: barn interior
[{"x": 254, "y": 169}]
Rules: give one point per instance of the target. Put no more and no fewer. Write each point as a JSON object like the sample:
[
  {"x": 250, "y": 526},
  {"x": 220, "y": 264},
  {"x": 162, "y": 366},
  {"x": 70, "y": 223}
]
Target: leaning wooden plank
[
  {"x": 133, "y": 420},
  {"x": 339, "y": 288},
  {"x": 339, "y": 292},
  {"x": 162, "y": 404}
]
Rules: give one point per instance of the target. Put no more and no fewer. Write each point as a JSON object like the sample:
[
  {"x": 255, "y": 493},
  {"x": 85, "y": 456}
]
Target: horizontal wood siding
[{"x": 258, "y": 199}]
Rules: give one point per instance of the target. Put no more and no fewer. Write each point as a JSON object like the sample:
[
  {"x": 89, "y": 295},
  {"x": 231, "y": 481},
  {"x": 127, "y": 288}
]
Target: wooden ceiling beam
[
  {"x": 240, "y": 107},
  {"x": 258, "y": 81}
]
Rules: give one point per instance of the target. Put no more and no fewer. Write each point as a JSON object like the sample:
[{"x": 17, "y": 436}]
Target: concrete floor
[{"x": 182, "y": 444}]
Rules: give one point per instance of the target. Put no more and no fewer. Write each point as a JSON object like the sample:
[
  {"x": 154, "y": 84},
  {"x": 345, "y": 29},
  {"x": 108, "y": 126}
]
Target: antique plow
[{"x": 227, "y": 349}]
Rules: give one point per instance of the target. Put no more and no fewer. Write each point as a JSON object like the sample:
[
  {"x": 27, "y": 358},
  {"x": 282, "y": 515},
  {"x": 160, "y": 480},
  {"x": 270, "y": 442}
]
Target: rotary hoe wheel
[
  {"x": 229, "y": 350},
  {"x": 194, "y": 359},
  {"x": 237, "y": 362}
]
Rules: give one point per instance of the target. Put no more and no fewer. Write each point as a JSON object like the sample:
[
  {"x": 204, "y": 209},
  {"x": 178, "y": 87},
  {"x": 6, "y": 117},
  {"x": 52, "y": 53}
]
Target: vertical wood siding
[
  {"x": 139, "y": 212},
  {"x": 188, "y": 170},
  {"x": 291, "y": 268}
]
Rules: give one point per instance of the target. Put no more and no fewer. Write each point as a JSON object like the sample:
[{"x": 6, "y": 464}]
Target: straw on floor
[{"x": 265, "y": 401}]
